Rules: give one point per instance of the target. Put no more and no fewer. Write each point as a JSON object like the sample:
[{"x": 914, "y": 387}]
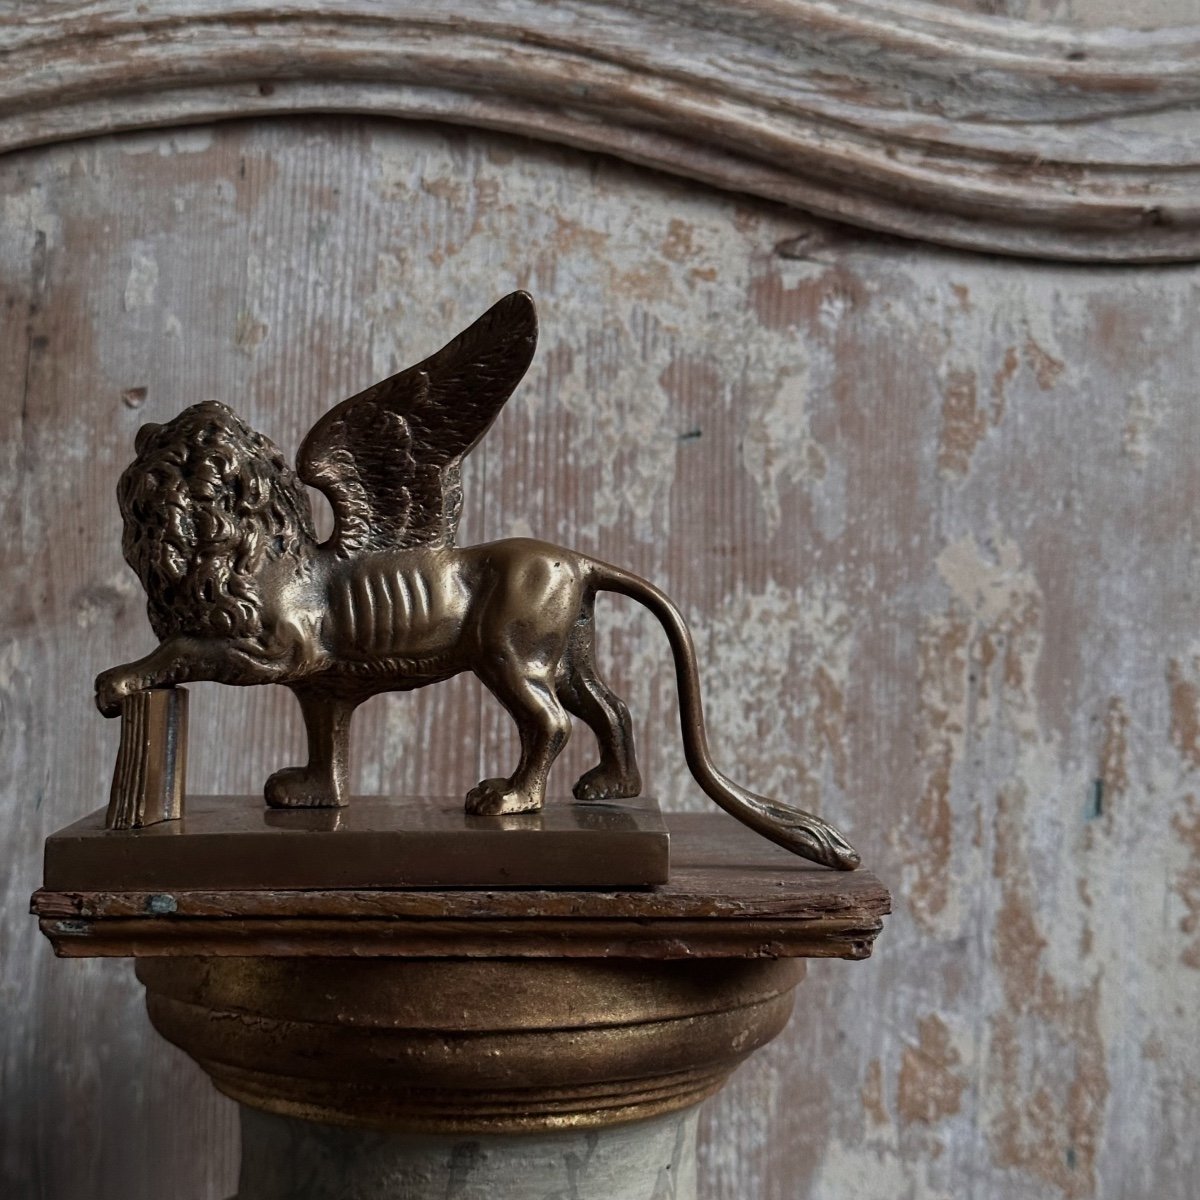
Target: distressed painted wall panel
[
  {"x": 1072, "y": 142},
  {"x": 931, "y": 515},
  {"x": 1085, "y": 14}
]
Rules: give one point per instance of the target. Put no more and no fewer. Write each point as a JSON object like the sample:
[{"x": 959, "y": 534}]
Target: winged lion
[{"x": 240, "y": 590}]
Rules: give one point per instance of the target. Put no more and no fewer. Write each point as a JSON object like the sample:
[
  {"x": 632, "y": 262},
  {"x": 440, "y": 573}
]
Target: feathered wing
[{"x": 388, "y": 459}]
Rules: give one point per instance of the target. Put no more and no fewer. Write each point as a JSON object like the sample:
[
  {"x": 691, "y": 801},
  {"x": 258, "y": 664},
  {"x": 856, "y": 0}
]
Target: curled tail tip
[
  {"x": 843, "y": 856},
  {"x": 848, "y": 860},
  {"x": 819, "y": 843},
  {"x": 800, "y": 832},
  {"x": 839, "y": 855},
  {"x": 816, "y": 840}
]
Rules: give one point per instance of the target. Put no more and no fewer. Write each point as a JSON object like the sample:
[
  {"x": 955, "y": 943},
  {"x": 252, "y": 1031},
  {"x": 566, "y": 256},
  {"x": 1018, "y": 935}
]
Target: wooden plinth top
[{"x": 731, "y": 895}]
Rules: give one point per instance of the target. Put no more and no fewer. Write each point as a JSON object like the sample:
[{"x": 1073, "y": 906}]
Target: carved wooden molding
[{"x": 906, "y": 117}]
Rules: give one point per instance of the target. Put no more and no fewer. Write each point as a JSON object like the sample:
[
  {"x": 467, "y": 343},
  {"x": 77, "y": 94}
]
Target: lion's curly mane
[{"x": 207, "y": 503}]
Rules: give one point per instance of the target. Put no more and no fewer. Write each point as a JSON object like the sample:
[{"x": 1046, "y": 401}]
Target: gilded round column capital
[{"x": 468, "y": 1045}]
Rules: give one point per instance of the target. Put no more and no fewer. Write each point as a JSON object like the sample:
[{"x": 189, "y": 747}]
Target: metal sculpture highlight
[{"x": 219, "y": 529}]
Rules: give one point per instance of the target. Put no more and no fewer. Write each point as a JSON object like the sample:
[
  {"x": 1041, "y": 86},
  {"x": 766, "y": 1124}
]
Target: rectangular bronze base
[{"x": 373, "y": 842}]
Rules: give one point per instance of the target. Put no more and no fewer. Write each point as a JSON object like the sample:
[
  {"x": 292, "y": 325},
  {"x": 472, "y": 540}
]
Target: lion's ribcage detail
[{"x": 378, "y": 609}]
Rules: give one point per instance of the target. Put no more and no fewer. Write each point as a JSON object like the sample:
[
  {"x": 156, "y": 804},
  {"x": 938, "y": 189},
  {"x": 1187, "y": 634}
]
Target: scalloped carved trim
[{"x": 909, "y": 118}]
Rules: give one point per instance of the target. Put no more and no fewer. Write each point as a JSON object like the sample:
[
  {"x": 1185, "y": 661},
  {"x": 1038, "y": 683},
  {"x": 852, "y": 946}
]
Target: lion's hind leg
[
  {"x": 544, "y": 729},
  {"x": 585, "y": 695}
]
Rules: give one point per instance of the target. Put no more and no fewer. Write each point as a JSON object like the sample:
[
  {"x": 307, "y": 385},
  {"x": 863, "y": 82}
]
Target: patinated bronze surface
[
  {"x": 219, "y": 530},
  {"x": 229, "y": 842},
  {"x": 150, "y": 777}
]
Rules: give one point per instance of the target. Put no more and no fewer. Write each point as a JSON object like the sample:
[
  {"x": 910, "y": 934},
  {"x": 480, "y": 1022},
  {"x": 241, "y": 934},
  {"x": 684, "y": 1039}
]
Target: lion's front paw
[
  {"x": 112, "y": 686},
  {"x": 492, "y": 797},
  {"x": 602, "y": 783},
  {"x": 297, "y": 787}
]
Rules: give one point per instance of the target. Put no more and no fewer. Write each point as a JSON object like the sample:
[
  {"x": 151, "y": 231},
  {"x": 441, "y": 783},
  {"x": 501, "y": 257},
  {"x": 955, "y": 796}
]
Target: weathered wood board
[
  {"x": 932, "y": 516},
  {"x": 731, "y": 894}
]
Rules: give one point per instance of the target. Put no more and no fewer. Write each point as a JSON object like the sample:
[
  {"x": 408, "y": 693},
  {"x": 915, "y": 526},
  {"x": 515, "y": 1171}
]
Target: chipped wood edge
[
  {"x": 915, "y": 120},
  {"x": 869, "y": 901},
  {"x": 472, "y": 938}
]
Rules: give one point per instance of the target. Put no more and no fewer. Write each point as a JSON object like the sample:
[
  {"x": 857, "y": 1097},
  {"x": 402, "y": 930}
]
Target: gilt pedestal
[{"x": 511, "y": 1044}]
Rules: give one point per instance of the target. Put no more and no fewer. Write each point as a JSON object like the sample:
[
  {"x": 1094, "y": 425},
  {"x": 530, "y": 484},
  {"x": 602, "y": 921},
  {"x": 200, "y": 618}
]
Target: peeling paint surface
[
  {"x": 931, "y": 515},
  {"x": 1085, "y": 14}
]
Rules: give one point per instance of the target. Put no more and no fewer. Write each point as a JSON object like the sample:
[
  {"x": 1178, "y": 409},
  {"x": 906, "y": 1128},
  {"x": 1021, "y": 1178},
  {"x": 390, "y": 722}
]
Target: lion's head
[{"x": 207, "y": 503}]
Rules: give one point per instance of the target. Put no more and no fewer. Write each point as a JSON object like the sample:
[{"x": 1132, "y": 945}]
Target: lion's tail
[{"x": 795, "y": 830}]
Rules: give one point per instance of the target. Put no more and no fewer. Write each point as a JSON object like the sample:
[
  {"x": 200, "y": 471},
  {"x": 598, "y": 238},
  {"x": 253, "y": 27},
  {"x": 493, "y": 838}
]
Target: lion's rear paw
[
  {"x": 492, "y": 797},
  {"x": 297, "y": 787},
  {"x": 603, "y": 783}
]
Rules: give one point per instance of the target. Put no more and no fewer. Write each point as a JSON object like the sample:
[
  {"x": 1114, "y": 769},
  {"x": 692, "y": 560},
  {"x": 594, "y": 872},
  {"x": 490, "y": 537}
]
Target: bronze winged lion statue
[{"x": 219, "y": 530}]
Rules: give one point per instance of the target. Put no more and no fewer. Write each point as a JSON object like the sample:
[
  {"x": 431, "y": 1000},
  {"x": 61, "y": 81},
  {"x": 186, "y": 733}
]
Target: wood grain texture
[
  {"x": 932, "y": 516},
  {"x": 907, "y": 117}
]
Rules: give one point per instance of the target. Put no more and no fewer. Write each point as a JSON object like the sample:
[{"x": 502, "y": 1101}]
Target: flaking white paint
[{"x": 142, "y": 282}]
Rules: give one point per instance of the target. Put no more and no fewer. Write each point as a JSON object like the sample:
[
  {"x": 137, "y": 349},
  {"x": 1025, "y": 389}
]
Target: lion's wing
[{"x": 388, "y": 459}]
